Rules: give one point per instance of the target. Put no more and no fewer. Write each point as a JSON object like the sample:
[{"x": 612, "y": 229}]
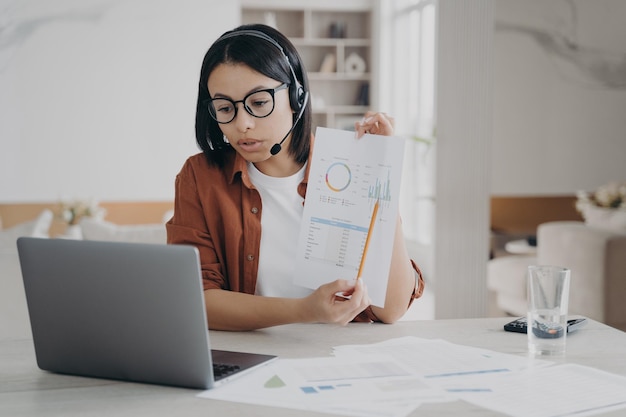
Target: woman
[{"x": 240, "y": 201}]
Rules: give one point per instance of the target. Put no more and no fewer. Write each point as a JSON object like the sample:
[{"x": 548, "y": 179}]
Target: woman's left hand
[{"x": 374, "y": 123}]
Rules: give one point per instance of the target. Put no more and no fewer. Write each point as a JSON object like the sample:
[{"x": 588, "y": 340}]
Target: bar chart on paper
[
  {"x": 347, "y": 177},
  {"x": 380, "y": 190}
]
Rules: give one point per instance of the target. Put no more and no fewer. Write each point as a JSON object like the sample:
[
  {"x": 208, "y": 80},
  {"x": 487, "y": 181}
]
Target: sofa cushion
[
  {"x": 595, "y": 271},
  {"x": 14, "y": 321},
  {"x": 39, "y": 227},
  {"x": 507, "y": 277},
  {"x": 604, "y": 218},
  {"x": 93, "y": 229}
]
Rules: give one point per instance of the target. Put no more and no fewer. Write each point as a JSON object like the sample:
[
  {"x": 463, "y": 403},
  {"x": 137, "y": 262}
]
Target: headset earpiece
[{"x": 296, "y": 96}]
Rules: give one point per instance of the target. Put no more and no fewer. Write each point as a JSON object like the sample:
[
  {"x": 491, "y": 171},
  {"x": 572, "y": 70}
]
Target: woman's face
[{"x": 250, "y": 136}]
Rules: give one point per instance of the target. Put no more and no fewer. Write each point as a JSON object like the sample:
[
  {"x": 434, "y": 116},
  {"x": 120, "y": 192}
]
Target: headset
[{"x": 298, "y": 96}]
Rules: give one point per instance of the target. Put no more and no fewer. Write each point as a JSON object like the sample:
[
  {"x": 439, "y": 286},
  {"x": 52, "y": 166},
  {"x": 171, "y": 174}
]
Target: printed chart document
[
  {"x": 347, "y": 177},
  {"x": 394, "y": 377},
  {"x": 567, "y": 390},
  {"x": 372, "y": 386},
  {"x": 446, "y": 360},
  {"x": 511, "y": 384}
]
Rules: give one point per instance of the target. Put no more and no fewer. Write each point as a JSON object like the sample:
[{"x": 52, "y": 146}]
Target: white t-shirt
[{"x": 280, "y": 226}]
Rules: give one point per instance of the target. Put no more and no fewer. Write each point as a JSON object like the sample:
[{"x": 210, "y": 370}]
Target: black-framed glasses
[{"x": 258, "y": 104}]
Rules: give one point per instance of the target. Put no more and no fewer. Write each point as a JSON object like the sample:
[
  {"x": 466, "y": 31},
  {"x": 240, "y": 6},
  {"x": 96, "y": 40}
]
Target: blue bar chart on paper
[{"x": 381, "y": 190}]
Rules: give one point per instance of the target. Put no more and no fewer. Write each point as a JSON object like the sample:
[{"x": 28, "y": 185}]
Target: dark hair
[{"x": 263, "y": 56}]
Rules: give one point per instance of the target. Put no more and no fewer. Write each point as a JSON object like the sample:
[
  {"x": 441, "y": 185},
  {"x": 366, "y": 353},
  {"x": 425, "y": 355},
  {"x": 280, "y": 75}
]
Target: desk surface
[{"x": 27, "y": 391}]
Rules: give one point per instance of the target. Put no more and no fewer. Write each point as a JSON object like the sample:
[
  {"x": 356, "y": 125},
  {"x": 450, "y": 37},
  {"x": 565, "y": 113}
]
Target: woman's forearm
[{"x": 229, "y": 310}]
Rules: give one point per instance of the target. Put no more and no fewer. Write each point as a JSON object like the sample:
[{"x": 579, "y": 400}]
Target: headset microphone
[{"x": 278, "y": 146}]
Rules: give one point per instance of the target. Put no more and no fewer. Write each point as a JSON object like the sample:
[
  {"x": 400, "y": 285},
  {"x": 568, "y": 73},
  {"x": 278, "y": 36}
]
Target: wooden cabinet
[{"x": 336, "y": 42}]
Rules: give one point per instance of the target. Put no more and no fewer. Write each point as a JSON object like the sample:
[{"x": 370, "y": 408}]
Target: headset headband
[{"x": 297, "y": 95}]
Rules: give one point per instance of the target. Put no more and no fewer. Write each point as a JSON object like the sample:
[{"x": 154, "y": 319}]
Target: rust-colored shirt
[{"x": 218, "y": 210}]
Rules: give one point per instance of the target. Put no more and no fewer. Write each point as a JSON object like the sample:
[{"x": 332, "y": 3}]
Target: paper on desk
[
  {"x": 347, "y": 176},
  {"x": 560, "y": 390},
  {"x": 374, "y": 386},
  {"x": 515, "y": 385},
  {"x": 435, "y": 358}
]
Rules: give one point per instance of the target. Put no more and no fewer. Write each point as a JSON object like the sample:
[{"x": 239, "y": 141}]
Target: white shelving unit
[{"x": 336, "y": 40}]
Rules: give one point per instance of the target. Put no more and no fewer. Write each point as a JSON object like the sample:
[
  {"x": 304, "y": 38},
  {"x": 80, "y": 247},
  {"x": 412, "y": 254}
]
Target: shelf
[
  {"x": 330, "y": 42},
  {"x": 338, "y": 76},
  {"x": 327, "y": 35},
  {"x": 341, "y": 110}
]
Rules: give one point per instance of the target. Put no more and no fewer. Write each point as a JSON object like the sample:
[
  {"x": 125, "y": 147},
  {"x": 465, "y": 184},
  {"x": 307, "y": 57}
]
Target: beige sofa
[
  {"x": 596, "y": 257},
  {"x": 14, "y": 321}
]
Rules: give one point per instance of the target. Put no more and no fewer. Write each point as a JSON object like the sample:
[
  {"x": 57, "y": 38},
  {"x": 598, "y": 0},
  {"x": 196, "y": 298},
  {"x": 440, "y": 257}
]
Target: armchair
[{"x": 596, "y": 257}]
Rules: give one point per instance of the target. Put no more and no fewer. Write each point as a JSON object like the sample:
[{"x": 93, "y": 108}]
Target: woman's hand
[
  {"x": 337, "y": 302},
  {"x": 374, "y": 123}
]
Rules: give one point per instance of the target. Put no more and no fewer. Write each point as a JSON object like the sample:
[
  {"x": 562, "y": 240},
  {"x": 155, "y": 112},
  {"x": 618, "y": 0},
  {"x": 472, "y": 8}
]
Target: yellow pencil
[{"x": 367, "y": 239}]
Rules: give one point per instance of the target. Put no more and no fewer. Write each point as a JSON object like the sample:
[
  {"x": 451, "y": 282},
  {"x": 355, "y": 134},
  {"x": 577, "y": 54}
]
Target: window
[{"x": 408, "y": 91}]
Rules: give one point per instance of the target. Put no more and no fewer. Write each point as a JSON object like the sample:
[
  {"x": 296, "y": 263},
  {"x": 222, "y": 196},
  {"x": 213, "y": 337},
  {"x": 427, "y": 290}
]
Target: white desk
[{"x": 27, "y": 391}]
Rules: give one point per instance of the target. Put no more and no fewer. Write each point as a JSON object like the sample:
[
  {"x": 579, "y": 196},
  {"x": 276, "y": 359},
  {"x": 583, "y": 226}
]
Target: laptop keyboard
[{"x": 222, "y": 370}]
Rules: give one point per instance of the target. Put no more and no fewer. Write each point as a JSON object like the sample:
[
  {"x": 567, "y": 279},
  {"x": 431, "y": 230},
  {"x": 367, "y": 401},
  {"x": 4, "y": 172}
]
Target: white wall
[
  {"x": 97, "y": 97},
  {"x": 559, "y": 96}
]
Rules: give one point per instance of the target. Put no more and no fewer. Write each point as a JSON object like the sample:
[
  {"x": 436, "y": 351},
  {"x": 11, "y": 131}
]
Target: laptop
[{"x": 124, "y": 311}]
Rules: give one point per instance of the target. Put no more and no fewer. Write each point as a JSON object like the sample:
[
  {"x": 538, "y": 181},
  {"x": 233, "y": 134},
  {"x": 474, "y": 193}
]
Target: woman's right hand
[{"x": 337, "y": 302}]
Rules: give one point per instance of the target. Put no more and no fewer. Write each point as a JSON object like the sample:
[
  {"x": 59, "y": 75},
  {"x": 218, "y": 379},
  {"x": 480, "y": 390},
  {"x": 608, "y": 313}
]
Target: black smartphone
[{"x": 520, "y": 325}]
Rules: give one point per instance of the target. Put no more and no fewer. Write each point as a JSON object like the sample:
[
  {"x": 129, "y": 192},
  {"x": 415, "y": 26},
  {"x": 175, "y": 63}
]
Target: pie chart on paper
[{"x": 338, "y": 176}]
